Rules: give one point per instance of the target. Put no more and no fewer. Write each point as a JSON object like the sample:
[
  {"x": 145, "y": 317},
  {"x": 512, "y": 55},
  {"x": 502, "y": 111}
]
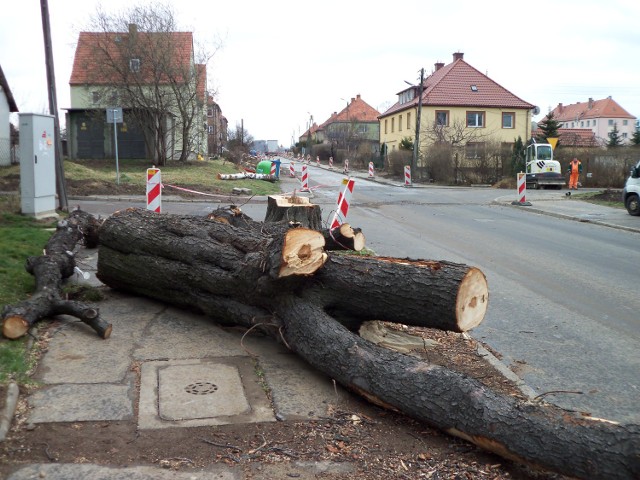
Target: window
[
  {"x": 588, "y": 121},
  {"x": 407, "y": 96},
  {"x": 210, "y": 112},
  {"x": 442, "y": 118},
  {"x": 408, "y": 120},
  {"x": 624, "y": 122},
  {"x": 385, "y": 126},
  {"x": 96, "y": 97},
  {"x": 594, "y": 123},
  {"x": 113, "y": 98},
  {"x": 581, "y": 123},
  {"x": 210, "y": 130},
  {"x": 610, "y": 122},
  {"x": 508, "y": 120},
  {"x": 134, "y": 64},
  {"x": 474, "y": 150},
  {"x": 400, "y": 123},
  {"x": 393, "y": 125},
  {"x": 475, "y": 119}
]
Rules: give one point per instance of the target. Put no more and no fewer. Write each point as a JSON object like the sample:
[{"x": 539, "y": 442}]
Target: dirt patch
[{"x": 374, "y": 443}]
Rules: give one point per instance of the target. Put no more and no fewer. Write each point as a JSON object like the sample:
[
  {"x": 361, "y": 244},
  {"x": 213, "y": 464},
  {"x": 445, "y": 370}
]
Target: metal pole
[
  {"x": 115, "y": 137},
  {"x": 416, "y": 145}
]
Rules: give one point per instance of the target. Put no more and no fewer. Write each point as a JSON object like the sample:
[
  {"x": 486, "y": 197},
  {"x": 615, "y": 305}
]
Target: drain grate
[{"x": 201, "y": 388}]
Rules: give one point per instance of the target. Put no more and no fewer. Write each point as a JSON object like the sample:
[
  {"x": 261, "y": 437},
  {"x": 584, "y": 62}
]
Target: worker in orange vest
[{"x": 575, "y": 169}]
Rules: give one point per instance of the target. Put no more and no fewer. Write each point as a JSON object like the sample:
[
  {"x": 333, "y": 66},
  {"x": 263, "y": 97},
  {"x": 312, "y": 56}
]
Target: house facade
[
  {"x": 460, "y": 106},
  {"x": 597, "y": 116},
  {"x": 356, "y": 127},
  {"x": 7, "y": 106},
  {"x": 154, "y": 79},
  {"x": 216, "y": 128}
]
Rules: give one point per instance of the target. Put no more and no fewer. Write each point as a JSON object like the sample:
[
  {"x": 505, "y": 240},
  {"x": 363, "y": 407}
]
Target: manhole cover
[{"x": 201, "y": 388}]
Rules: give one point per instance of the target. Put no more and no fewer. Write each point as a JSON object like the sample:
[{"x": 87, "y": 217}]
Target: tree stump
[{"x": 294, "y": 209}]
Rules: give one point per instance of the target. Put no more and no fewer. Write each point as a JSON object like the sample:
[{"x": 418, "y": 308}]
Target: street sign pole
[{"x": 115, "y": 115}]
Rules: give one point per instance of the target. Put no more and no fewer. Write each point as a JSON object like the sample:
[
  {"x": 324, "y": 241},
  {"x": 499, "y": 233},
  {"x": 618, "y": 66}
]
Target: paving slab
[
  {"x": 232, "y": 389},
  {"x": 97, "y": 472},
  {"x": 81, "y": 403},
  {"x": 200, "y": 390}
]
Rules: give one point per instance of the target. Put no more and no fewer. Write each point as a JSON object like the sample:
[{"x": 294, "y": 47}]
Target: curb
[{"x": 13, "y": 392}]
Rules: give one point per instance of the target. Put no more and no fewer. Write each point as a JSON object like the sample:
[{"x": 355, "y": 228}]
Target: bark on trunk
[{"x": 49, "y": 270}]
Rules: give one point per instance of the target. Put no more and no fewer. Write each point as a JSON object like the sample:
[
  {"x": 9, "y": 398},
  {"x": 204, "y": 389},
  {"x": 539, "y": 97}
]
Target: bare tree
[{"x": 143, "y": 61}]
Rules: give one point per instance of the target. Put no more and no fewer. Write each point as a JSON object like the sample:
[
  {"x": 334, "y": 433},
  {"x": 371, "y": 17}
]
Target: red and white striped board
[
  {"x": 292, "y": 169},
  {"x": 522, "y": 187},
  {"x": 346, "y": 165},
  {"x": 273, "y": 169},
  {"x": 305, "y": 179},
  {"x": 407, "y": 176},
  {"x": 331, "y": 163},
  {"x": 154, "y": 190},
  {"x": 371, "y": 170},
  {"x": 344, "y": 199},
  {"x": 318, "y": 160}
]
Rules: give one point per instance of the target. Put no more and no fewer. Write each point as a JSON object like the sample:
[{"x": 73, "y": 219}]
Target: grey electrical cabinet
[{"x": 37, "y": 165}]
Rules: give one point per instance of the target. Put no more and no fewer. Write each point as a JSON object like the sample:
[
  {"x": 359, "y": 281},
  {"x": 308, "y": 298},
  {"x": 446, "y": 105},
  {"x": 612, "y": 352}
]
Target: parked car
[{"x": 631, "y": 192}]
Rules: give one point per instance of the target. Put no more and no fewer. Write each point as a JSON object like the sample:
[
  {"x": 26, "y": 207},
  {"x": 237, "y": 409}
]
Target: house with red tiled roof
[
  {"x": 153, "y": 79},
  {"x": 460, "y": 106},
  {"x": 573, "y": 137},
  {"x": 216, "y": 128},
  {"x": 598, "y": 117},
  {"x": 7, "y": 106}
]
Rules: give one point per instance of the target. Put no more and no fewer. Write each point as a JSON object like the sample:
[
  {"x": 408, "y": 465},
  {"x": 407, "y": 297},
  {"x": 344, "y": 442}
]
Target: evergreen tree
[
  {"x": 635, "y": 138},
  {"x": 406, "y": 144},
  {"x": 518, "y": 156},
  {"x": 614, "y": 137},
  {"x": 549, "y": 127}
]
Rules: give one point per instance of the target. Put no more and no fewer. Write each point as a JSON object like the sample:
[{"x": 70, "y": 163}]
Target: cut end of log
[
  {"x": 472, "y": 300},
  {"x": 290, "y": 200},
  {"x": 302, "y": 252},
  {"x": 14, "y": 327}
]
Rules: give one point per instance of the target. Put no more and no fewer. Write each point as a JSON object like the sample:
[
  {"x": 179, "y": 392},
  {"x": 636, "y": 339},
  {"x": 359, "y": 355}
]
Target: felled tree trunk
[
  {"x": 195, "y": 257},
  {"x": 49, "y": 270},
  {"x": 233, "y": 274},
  {"x": 536, "y": 434}
]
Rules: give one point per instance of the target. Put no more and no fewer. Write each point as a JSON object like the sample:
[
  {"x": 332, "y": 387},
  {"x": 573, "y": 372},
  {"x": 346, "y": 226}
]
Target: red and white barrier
[
  {"x": 318, "y": 160},
  {"x": 407, "y": 176},
  {"x": 370, "y": 169},
  {"x": 522, "y": 187},
  {"x": 154, "y": 190},
  {"x": 346, "y": 166},
  {"x": 273, "y": 168},
  {"x": 330, "y": 163},
  {"x": 344, "y": 199},
  {"x": 305, "y": 179},
  {"x": 292, "y": 169}
]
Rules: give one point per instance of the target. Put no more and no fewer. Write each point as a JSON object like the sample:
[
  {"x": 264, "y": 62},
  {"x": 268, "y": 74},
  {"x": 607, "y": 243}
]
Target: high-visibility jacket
[{"x": 575, "y": 167}]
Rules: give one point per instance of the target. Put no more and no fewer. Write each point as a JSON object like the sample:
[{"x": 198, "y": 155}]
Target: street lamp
[
  {"x": 309, "y": 134},
  {"x": 416, "y": 144}
]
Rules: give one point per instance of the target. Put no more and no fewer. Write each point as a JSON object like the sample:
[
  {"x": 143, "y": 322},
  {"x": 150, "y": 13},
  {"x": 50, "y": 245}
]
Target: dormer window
[
  {"x": 474, "y": 88},
  {"x": 134, "y": 65}
]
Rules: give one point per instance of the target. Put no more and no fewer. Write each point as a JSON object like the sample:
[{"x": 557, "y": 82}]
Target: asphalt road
[{"x": 564, "y": 309}]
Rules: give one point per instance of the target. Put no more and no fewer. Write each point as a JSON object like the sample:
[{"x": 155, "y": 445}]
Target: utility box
[{"x": 37, "y": 165}]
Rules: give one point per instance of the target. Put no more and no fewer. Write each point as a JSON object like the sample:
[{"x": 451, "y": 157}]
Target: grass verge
[{"x": 20, "y": 237}]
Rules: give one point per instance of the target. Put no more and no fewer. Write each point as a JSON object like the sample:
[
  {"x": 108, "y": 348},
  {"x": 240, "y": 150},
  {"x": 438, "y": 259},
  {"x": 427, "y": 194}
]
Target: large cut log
[
  {"x": 537, "y": 434},
  {"x": 49, "y": 270},
  {"x": 344, "y": 237},
  {"x": 195, "y": 257}
]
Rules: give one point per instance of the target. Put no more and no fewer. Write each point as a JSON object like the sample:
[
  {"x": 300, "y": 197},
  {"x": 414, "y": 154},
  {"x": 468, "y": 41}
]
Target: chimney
[
  {"x": 353, "y": 99},
  {"x": 358, "y": 96},
  {"x": 439, "y": 65},
  {"x": 133, "y": 29},
  {"x": 458, "y": 56},
  {"x": 590, "y": 103},
  {"x": 560, "y": 107}
]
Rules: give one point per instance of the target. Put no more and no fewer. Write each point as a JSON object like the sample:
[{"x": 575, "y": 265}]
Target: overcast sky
[{"x": 281, "y": 62}]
